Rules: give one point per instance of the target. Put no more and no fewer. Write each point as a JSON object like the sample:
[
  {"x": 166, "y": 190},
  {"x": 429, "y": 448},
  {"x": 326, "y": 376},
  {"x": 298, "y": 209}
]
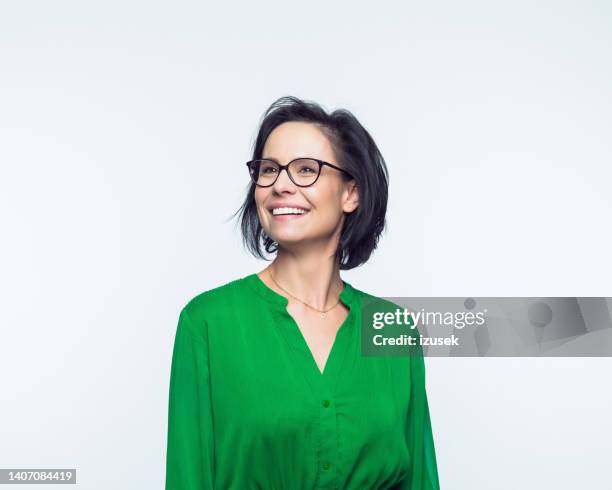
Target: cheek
[
  {"x": 259, "y": 199},
  {"x": 259, "y": 196},
  {"x": 328, "y": 205},
  {"x": 325, "y": 197}
]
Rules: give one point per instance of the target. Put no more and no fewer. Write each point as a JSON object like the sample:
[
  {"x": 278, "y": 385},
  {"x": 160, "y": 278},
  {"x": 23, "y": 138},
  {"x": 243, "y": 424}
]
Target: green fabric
[{"x": 250, "y": 409}]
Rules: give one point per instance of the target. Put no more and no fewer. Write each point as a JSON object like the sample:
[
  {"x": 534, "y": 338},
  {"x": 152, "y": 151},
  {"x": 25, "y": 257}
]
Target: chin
[{"x": 289, "y": 240}]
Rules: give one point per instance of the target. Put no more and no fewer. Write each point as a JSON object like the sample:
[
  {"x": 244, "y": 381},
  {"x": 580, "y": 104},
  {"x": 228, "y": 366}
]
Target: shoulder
[
  {"x": 376, "y": 308},
  {"x": 212, "y": 301},
  {"x": 371, "y": 302}
]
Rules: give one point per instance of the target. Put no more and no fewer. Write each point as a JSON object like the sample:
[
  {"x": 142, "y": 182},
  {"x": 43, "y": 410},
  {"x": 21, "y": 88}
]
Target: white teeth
[{"x": 276, "y": 211}]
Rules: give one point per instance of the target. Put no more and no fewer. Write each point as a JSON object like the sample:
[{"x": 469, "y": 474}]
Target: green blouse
[{"x": 250, "y": 409}]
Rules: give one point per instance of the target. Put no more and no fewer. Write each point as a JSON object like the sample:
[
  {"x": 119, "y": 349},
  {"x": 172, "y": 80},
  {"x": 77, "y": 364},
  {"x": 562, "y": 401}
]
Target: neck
[{"x": 313, "y": 277}]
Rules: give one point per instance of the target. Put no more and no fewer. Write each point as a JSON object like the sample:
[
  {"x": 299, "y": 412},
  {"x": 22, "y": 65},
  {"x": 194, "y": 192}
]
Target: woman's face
[{"x": 325, "y": 201}]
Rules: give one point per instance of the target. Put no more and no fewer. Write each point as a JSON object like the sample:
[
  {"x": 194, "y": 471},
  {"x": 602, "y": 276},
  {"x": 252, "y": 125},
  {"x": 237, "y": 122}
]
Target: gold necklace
[{"x": 323, "y": 312}]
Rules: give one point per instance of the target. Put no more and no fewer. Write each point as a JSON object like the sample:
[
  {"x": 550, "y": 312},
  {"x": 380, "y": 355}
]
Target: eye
[
  {"x": 267, "y": 168},
  {"x": 306, "y": 167}
]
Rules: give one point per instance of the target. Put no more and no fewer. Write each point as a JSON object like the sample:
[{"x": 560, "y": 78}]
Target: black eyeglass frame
[{"x": 321, "y": 163}]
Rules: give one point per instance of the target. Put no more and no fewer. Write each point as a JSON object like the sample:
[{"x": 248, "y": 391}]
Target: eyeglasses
[{"x": 303, "y": 172}]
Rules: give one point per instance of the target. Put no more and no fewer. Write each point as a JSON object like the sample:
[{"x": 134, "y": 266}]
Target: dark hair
[{"x": 356, "y": 152}]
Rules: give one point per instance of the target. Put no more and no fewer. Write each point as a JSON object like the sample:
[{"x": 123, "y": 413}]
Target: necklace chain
[{"x": 322, "y": 312}]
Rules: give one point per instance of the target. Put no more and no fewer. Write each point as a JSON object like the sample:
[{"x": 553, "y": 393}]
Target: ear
[{"x": 351, "y": 197}]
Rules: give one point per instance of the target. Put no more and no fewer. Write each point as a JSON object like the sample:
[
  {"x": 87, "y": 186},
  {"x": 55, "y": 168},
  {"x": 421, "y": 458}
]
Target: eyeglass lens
[{"x": 303, "y": 172}]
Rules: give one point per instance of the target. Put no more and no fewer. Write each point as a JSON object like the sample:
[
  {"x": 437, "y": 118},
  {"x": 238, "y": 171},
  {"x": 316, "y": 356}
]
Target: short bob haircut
[{"x": 356, "y": 152}]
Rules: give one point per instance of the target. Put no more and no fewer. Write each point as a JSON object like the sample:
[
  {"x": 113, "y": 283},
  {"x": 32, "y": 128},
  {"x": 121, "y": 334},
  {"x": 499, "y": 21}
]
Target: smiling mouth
[{"x": 288, "y": 211}]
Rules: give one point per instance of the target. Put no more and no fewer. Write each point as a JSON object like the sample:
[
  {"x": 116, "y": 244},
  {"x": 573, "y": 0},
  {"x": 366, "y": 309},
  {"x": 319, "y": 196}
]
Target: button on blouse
[{"x": 250, "y": 409}]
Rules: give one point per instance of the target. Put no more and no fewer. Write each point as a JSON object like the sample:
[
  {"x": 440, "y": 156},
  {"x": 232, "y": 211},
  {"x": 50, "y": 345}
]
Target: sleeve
[
  {"x": 423, "y": 471},
  {"x": 190, "y": 449}
]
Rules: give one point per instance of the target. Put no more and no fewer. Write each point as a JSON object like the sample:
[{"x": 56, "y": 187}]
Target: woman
[{"x": 268, "y": 386}]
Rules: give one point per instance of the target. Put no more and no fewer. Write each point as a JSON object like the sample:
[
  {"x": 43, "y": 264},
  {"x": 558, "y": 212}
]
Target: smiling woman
[{"x": 268, "y": 387}]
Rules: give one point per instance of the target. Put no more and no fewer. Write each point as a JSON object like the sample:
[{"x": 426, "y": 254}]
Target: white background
[{"x": 124, "y": 128}]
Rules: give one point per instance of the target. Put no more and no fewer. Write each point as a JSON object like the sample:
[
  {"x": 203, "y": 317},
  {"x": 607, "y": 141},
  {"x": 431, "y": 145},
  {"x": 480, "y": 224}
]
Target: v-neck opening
[
  {"x": 295, "y": 337},
  {"x": 334, "y": 346},
  {"x": 336, "y": 352}
]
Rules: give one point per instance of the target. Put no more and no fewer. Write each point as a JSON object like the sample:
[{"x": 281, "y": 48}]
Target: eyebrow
[{"x": 296, "y": 158}]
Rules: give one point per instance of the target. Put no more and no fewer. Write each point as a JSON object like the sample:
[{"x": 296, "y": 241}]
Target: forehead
[{"x": 297, "y": 139}]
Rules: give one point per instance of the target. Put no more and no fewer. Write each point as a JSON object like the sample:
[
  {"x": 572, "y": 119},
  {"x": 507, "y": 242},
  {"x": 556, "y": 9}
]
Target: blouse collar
[{"x": 347, "y": 295}]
